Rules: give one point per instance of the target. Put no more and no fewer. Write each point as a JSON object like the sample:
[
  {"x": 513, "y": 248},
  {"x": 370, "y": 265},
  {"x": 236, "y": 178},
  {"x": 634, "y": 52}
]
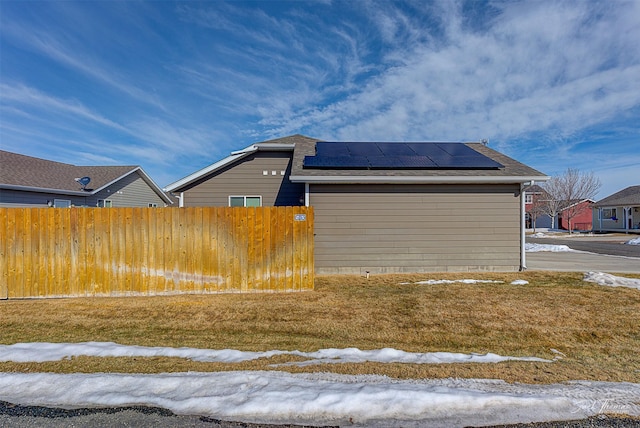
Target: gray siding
[
  {"x": 131, "y": 191},
  {"x": 247, "y": 178},
  {"x": 19, "y": 199},
  {"x": 416, "y": 228}
]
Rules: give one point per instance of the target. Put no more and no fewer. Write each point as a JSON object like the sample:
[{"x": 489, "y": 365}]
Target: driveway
[{"x": 605, "y": 253}]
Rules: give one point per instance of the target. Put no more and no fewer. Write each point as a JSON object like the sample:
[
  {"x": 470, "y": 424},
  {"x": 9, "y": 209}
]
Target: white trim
[
  {"x": 204, "y": 171},
  {"x": 235, "y": 156},
  {"x": 397, "y": 179},
  {"x": 523, "y": 225}
]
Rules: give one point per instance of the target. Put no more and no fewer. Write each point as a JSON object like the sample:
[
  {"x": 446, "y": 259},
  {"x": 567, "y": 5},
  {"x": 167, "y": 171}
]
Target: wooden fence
[{"x": 54, "y": 252}]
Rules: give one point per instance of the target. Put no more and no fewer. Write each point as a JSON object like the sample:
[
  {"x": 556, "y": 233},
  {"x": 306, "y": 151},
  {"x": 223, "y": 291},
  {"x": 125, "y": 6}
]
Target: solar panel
[
  {"x": 331, "y": 149},
  {"x": 364, "y": 149},
  {"x": 336, "y": 162},
  {"x": 362, "y": 155},
  {"x": 395, "y": 149}
]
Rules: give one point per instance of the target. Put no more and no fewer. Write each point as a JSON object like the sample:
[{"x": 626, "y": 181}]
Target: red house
[{"x": 579, "y": 213}]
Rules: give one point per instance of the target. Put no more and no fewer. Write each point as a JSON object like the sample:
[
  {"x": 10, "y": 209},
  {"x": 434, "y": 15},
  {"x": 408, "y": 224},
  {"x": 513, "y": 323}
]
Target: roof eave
[
  {"x": 235, "y": 156},
  {"x": 44, "y": 190},
  {"x": 396, "y": 179}
]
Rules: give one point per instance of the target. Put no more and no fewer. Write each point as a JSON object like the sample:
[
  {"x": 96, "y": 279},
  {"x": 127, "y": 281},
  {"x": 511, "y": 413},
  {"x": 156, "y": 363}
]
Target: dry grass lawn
[{"x": 597, "y": 328}]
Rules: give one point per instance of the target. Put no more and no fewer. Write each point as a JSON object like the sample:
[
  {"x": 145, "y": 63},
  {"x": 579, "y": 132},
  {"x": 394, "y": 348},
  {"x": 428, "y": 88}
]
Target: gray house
[
  {"x": 27, "y": 181},
  {"x": 619, "y": 212},
  {"x": 382, "y": 207}
]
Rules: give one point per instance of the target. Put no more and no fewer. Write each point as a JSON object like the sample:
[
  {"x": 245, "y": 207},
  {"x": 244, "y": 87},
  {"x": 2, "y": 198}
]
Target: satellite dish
[{"x": 83, "y": 181}]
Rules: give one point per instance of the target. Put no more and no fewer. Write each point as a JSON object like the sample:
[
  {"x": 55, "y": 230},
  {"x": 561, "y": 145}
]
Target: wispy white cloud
[{"x": 191, "y": 81}]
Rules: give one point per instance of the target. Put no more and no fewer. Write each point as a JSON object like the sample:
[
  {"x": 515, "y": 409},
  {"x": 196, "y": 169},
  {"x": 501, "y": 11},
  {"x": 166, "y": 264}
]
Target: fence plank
[{"x": 50, "y": 252}]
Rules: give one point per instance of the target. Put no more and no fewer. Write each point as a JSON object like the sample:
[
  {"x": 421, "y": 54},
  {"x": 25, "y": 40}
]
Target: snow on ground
[
  {"x": 453, "y": 281},
  {"x": 324, "y": 398},
  {"x": 39, "y": 352},
  {"x": 534, "y": 248},
  {"x": 634, "y": 241},
  {"x": 609, "y": 280},
  {"x": 316, "y": 398}
]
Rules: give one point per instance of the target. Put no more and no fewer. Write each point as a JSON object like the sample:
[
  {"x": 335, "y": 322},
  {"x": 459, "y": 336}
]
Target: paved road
[
  {"x": 141, "y": 417},
  {"x": 612, "y": 245},
  {"x": 601, "y": 253}
]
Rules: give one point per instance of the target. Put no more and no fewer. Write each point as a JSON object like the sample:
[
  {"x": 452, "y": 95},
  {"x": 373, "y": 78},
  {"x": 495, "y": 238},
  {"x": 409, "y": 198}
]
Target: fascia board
[
  {"x": 266, "y": 147},
  {"x": 395, "y": 179},
  {"x": 207, "y": 170},
  {"x": 238, "y": 154},
  {"x": 44, "y": 190}
]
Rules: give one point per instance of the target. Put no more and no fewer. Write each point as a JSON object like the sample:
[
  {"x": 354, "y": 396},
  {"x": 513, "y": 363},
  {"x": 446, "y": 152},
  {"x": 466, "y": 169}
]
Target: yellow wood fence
[{"x": 54, "y": 252}]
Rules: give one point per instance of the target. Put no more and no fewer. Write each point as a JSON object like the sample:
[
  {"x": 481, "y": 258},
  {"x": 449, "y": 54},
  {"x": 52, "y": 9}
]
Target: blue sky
[{"x": 176, "y": 86}]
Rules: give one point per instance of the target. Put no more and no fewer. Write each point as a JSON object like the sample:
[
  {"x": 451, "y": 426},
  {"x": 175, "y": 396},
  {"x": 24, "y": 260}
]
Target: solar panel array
[{"x": 361, "y": 155}]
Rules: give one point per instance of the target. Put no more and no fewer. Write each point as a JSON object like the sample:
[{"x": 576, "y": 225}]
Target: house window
[
  {"x": 528, "y": 198},
  {"x": 61, "y": 203},
  {"x": 151, "y": 205},
  {"x": 609, "y": 213},
  {"x": 104, "y": 203},
  {"x": 245, "y": 201}
]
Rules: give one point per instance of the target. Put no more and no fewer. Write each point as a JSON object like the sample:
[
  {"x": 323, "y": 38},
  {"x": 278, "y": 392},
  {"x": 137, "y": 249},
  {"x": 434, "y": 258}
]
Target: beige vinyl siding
[
  {"x": 416, "y": 228},
  {"x": 247, "y": 178}
]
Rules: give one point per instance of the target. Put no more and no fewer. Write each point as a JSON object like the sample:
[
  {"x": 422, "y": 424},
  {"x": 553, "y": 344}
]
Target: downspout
[
  {"x": 523, "y": 260},
  {"x": 306, "y": 194},
  {"x": 181, "y": 200}
]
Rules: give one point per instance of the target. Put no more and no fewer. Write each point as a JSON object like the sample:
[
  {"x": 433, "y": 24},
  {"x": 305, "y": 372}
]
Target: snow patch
[
  {"x": 534, "y": 248},
  {"x": 453, "y": 281},
  {"x": 520, "y": 282},
  {"x": 609, "y": 280},
  {"x": 634, "y": 241},
  {"x": 40, "y": 352}
]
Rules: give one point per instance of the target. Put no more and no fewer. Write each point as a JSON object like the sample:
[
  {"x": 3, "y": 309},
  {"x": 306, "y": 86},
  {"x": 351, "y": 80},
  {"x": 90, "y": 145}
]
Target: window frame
[
  {"x": 106, "y": 203},
  {"x": 244, "y": 200},
  {"x": 612, "y": 213}
]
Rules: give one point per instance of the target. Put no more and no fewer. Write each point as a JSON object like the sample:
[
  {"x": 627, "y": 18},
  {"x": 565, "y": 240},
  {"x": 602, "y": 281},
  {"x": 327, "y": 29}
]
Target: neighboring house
[
  {"x": 382, "y": 207},
  {"x": 580, "y": 213},
  {"x": 534, "y": 197},
  {"x": 26, "y": 181},
  {"x": 618, "y": 212}
]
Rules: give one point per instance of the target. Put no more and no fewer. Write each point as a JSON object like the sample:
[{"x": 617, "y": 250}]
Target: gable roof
[
  {"x": 534, "y": 189},
  {"x": 278, "y": 144},
  {"x": 625, "y": 197},
  {"x": 21, "y": 172},
  {"x": 511, "y": 171}
]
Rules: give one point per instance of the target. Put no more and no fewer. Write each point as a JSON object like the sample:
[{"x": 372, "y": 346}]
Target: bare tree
[
  {"x": 565, "y": 192},
  {"x": 537, "y": 208}
]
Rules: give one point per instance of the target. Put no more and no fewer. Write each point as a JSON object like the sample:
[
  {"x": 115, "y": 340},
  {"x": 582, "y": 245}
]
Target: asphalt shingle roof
[
  {"x": 27, "y": 171},
  {"x": 305, "y": 146},
  {"x": 625, "y": 197}
]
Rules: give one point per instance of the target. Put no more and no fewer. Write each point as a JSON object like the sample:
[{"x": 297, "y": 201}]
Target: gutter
[
  {"x": 523, "y": 257},
  {"x": 395, "y": 179},
  {"x": 46, "y": 190}
]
